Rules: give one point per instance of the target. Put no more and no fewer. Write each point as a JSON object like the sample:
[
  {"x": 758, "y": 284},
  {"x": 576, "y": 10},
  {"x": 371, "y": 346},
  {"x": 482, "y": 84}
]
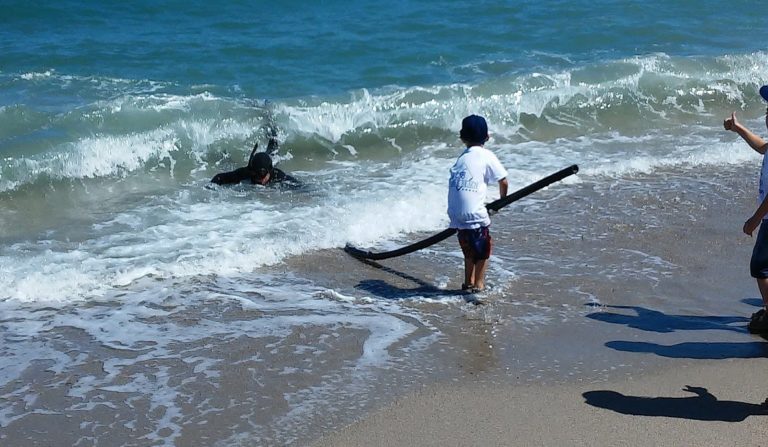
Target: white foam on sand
[{"x": 155, "y": 343}]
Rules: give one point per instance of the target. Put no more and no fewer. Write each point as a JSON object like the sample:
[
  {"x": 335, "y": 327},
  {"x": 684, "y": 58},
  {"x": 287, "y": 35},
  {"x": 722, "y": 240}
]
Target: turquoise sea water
[
  {"x": 108, "y": 111},
  {"x": 296, "y": 49},
  {"x": 113, "y": 118}
]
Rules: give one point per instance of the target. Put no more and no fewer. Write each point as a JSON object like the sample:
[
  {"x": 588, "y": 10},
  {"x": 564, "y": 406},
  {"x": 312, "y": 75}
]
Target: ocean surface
[{"x": 141, "y": 305}]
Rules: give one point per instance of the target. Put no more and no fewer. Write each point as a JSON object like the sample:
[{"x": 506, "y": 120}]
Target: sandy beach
[{"x": 715, "y": 403}]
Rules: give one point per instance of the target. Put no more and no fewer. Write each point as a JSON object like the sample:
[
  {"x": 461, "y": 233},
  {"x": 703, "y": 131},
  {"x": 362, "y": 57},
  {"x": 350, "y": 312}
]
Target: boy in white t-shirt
[
  {"x": 758, "y": 264},
  {"x": 475, "y": 168}
]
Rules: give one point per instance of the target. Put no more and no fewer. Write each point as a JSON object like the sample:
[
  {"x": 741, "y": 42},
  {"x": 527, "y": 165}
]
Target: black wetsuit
[{"x": 276, "y": 176}]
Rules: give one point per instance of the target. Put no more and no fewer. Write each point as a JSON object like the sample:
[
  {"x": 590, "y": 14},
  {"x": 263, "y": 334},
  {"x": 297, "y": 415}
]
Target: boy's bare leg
[
  {"x": 469, "y": 271},
  {"x": 479, "y": 271},
  {"x": 762, "y": 284}
]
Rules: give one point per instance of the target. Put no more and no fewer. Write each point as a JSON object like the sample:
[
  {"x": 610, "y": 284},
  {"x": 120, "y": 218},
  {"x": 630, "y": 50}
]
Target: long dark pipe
[{"x": 493, "y": 206}]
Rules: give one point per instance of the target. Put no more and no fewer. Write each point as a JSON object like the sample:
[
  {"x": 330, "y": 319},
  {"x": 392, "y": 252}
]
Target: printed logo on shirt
[{"x": 462, "y": 182}]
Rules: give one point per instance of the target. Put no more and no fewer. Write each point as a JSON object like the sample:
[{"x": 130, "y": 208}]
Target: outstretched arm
[
  {"x": 253, "y": 152},
  {"x": 754, "y": 141},
  {"x": 273, "y": 145},
  {"x": 700, "y": 391},
  {"x": 227, "y": 178}
]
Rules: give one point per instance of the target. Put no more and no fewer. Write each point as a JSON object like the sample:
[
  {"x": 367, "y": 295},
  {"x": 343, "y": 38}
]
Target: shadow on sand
[
  {"x": 655, "y": 321},
  {"x": 696, "y": 350},
  {"x": 423, "y": 289},
  {"x": 701, "y": 407}
]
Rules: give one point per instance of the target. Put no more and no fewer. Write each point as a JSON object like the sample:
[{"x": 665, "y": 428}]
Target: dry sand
[{"x": 722, "y": 408}]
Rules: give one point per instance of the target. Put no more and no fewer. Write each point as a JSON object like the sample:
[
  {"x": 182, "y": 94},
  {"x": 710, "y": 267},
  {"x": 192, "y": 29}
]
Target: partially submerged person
[{"x": 259, "y": 171}]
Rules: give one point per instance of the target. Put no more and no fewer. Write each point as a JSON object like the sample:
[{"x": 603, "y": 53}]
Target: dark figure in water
[{"x": 259, "y": 170}]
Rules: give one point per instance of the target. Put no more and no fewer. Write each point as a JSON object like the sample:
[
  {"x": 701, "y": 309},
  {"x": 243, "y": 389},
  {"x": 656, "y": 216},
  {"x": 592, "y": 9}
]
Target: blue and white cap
[{"x": 474, "y": 129}]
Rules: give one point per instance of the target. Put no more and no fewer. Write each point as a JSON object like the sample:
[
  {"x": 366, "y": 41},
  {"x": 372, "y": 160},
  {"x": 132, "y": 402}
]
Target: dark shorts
[
  {"x": 476, "y": 243},
  {"x": 758, "y": 265}
]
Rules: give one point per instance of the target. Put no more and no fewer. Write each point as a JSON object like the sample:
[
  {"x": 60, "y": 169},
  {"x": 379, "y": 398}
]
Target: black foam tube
[{"x": 496, "y": 205}]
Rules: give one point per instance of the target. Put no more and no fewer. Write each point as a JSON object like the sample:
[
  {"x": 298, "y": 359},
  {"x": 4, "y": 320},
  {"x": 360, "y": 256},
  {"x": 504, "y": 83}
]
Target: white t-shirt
[
  {"x": 475, "y": 168},
  {"x": 763, "y": 191}
]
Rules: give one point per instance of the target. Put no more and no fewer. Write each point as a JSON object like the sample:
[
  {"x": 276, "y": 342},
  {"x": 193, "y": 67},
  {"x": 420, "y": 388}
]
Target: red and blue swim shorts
[{"x": 476, "y": 243}]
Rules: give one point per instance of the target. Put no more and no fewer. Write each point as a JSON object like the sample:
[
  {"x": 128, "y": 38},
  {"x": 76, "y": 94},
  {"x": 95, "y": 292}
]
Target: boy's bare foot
[{"x": 469, "y": 288}]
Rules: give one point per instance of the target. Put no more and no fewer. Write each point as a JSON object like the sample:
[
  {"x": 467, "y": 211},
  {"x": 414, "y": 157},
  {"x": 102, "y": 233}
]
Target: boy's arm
[
  {"x": 754, "y": 141},
  {"x": 503, "y": 187},
  {"x": 753, "y": 222}
]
